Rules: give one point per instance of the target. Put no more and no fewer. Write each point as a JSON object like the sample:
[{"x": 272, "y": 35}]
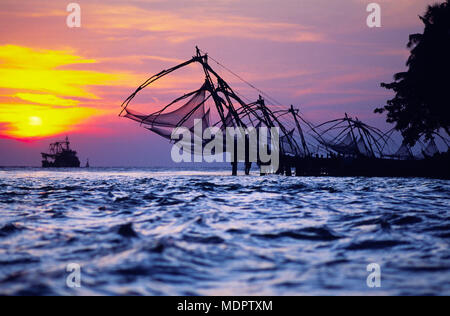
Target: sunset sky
[{"x": 55, "y": 81}]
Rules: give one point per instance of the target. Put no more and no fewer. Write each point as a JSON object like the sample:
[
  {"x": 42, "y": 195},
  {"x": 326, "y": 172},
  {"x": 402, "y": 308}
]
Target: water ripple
[{"x": 160, "y": 232}]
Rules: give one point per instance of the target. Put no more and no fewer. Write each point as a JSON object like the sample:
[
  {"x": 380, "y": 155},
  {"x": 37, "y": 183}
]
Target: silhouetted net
[
  {"x": 403, "y": 153},
  {"x": 186, "y": 116},
  {"x": 431, "y": 149}
]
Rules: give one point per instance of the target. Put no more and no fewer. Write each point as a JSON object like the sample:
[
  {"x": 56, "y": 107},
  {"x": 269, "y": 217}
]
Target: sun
[
  {"x": 35, "y": 121},
  {"x": 39, "y": 121}
]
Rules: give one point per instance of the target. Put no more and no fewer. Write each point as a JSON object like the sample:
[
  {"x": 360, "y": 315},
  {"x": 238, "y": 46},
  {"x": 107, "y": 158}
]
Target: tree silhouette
[{"x": 421, "y": 104}]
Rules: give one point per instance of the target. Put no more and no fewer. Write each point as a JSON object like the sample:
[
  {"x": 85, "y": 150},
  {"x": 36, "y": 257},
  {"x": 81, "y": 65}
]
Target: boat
[{"x": 60, "y": 156}]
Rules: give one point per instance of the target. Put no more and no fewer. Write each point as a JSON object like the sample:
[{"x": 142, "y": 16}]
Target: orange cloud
[
  {"x": 26, "y": 121},
  {"x": 23, "y": 68},
  {"x": 36, "y": 76},
  {"x": 46, "y": 99},
  {"x": 190, "y": 24}
]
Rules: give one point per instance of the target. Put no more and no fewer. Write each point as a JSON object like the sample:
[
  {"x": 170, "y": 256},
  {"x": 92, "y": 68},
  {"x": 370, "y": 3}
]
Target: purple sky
[{"x": 315, "y": 54}]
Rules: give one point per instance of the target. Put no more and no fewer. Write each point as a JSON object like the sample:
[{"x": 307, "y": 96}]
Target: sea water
[{"x": 181, "y": 232}]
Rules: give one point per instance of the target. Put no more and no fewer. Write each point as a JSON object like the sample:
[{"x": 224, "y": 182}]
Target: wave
[{"x": 309, "y": 233}]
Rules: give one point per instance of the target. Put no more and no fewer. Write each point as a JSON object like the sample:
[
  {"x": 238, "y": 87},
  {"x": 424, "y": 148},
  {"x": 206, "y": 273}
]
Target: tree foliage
[{"x": 422, "y": 94}]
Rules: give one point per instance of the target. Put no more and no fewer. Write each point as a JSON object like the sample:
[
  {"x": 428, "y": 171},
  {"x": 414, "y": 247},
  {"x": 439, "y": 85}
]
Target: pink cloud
[{"x": 318, "y": 54}]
